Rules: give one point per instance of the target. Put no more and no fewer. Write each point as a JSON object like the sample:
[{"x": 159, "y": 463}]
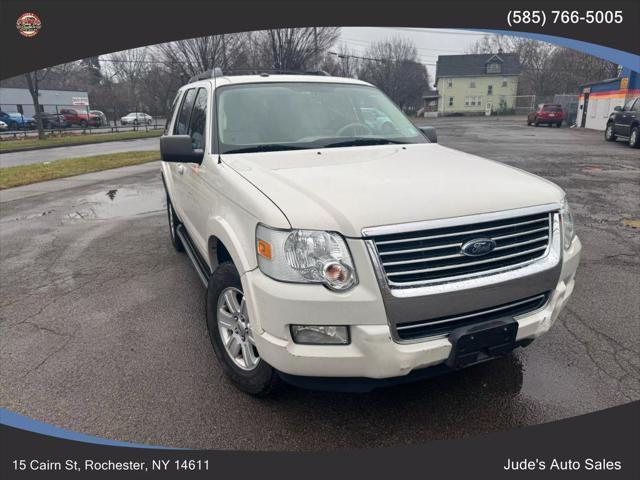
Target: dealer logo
[{"x": 28, "y": 24}]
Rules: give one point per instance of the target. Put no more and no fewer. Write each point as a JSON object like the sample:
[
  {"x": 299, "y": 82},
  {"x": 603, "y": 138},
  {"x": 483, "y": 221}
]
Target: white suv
[{"x": 353, "y": 253}]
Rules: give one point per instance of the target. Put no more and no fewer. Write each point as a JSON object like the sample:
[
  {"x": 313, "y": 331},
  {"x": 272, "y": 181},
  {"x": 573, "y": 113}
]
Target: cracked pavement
[{"x": 102, "y": 324}]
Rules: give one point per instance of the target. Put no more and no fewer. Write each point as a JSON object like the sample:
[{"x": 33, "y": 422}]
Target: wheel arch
[{"x": 224, "y": 245}]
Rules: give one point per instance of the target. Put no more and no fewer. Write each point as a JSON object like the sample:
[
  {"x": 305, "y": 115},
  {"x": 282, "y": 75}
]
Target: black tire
[
  {"x": 609, "y": 133},
  {"x": 83, "y": 124},
  {"x": 536, "y": 123},
  {"x": 173, "y": 226},
  {"x": 559, "y": 124},
  {"x": 13, "y": 125},
  {"x": 263, "y": 379},
  {"x": 634, "y": 137},
  {"x": 149, "y": 122}
]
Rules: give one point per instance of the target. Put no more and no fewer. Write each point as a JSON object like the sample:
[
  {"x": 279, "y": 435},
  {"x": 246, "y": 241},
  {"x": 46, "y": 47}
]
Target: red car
[
  {"x": 73, "y": 117},
  {"x": 547, "y": 113}
]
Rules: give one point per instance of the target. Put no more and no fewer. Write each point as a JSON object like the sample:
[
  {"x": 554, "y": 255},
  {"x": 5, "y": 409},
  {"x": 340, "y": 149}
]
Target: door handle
[{"x": 180, "y": 169}]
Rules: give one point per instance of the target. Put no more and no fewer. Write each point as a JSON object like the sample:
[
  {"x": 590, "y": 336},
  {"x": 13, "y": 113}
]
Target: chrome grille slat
[
  {"x": 460, "y": 255},
  {"x": 477, "y": 262},
  {"x": 520, "y": 234},
  {"x": 425, "y": 249},
  {"x": 519, "y": 244},
  {"x": 411, "y": 258},
  {"x": 453, "y": 234}
]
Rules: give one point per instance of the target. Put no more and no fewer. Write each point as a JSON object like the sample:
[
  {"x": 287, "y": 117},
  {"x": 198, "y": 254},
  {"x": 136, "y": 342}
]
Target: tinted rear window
[{"x": 552, "y": 108}]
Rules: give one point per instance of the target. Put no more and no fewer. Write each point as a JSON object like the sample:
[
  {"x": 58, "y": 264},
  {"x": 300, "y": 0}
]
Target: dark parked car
[
  {"x": 624, "y": 123},
  {"x": 52, "y": 120},
  {"x": 547, "y": 113}
]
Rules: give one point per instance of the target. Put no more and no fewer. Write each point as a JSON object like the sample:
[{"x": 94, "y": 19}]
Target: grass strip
[{"x": 68, "y": 167}]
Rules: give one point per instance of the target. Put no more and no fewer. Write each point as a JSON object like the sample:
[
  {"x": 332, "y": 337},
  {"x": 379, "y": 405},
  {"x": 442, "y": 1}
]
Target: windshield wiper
[
  {"x": 356, "y": 142},
  {"x": 267, "y": 147}
]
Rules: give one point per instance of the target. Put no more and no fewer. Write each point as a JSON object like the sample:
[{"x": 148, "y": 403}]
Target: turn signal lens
[{"x": 264, "y": 249}]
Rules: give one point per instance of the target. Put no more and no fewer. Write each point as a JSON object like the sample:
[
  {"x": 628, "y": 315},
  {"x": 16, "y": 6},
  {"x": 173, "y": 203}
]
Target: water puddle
[{"x": 119, "y": 203}]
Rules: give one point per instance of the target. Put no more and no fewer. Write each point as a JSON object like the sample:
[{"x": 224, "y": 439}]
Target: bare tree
[
  {"x": 130, "y": 67},
  {"x": 342, "y": 63},
  {"x": 548, "y": 69},
  {"x": 196, "y": 55},
  {"x": 33, "y": 84},
  {"x": 298, "y": 48},
  {"x": 393, "y": 66}
]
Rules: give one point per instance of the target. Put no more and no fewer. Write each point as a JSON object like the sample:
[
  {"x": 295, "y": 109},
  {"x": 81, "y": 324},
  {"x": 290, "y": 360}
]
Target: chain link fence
[{"x": 60, "y": 120}]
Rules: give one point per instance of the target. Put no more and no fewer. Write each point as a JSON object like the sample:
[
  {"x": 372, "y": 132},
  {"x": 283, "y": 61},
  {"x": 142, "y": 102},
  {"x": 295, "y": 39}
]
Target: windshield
[{"x": 300, "y": 115}]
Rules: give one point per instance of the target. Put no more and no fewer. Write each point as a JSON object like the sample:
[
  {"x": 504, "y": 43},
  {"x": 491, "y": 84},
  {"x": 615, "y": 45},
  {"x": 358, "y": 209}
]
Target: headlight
[
  {"x": 305, "y": 256},
  {"x": 568, "y": 228}
]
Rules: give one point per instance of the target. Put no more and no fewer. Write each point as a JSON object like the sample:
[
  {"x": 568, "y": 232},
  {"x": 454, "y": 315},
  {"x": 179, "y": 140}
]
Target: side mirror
[
  {"x": 179, "y": 149},
  {"x": 617, "y": 108},
  {"x": 430, "y": 133}
]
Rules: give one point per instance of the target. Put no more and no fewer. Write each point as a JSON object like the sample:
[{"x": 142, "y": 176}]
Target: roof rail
[{"x": 218, "y": 72}]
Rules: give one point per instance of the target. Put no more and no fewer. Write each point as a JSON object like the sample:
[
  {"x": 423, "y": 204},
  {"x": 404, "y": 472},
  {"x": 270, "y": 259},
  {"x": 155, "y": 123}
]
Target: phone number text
[{"x": 541, "y": 17}]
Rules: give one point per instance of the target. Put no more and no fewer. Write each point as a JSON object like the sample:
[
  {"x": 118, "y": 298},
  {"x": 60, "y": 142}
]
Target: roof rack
[{"x": 218, "y": 72}]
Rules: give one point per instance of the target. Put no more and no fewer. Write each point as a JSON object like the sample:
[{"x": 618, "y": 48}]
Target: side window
[
  {"x": 182, "y": 124},
  {"x": 172, "y": 113},
  {"x": 636, "y": 106},
  {"x": 199, "y": 119},
  {"x": 629, "y": 104}
]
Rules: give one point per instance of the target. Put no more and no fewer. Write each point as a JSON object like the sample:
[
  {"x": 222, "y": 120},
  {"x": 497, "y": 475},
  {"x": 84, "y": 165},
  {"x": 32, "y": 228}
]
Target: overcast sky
[{"x": 430, "y": 42}]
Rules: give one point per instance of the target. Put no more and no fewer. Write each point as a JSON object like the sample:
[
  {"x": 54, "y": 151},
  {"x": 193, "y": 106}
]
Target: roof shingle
[{"x": 475, "y": 64}]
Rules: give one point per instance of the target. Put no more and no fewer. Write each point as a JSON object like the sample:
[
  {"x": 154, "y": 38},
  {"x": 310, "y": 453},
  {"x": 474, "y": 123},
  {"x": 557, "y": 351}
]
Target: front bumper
[{"x": 372, "y": 353}]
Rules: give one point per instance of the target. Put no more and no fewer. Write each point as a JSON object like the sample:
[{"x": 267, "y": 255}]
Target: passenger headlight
[
  {"x": 568, "y": 228},
  {"x": 305, "y": 256}
]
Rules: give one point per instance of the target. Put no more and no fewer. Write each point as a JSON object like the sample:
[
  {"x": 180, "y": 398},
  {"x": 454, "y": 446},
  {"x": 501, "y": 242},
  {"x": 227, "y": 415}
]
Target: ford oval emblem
[{"x": 478, "y": 247}]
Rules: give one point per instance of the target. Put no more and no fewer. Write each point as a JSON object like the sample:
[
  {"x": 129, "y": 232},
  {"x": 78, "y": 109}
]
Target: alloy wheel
[{"x": 235, "y": 329}]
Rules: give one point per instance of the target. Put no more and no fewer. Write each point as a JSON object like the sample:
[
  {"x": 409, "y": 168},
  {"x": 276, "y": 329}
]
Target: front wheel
[
  {"x": 609, "y": 134},
  {"x": 231, "y": 334},
  {"x": 634, "y": 138}
]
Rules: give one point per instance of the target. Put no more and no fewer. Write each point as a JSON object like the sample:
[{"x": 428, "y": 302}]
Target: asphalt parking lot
[{"x": 102, "y": 324}]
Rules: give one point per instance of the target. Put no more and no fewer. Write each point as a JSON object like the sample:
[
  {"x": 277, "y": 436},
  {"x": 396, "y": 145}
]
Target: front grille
[
  {"x": 435, "y": 255},
  {"x": 445, "y": 325}
]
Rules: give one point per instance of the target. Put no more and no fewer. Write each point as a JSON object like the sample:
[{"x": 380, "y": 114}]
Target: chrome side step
[{"x": 202, "y": 269}]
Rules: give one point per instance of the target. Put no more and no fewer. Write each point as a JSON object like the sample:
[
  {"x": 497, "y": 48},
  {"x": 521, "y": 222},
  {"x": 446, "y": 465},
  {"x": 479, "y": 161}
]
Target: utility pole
[
  {"x": 316, "y": 55},
  {"x": 224, "y": 52}
]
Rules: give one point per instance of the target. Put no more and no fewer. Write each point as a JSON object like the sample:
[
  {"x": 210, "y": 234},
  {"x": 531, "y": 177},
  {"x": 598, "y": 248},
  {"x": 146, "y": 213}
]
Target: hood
[{"x": 348, "y": 189}]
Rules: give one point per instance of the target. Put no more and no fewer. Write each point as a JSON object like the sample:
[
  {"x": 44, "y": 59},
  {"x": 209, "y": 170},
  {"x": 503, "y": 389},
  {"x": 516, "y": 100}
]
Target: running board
[{"x": 202, "y": 269}]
